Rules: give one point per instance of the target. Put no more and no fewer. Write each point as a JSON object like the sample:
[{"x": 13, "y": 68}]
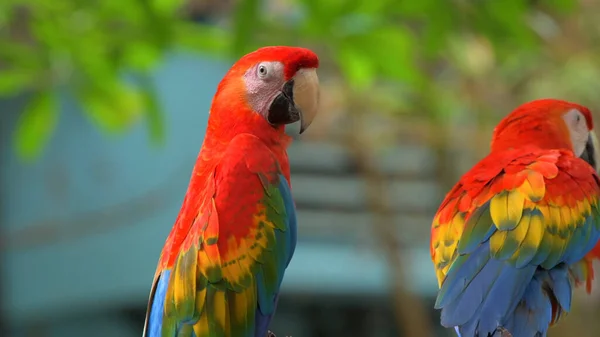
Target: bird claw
[
  {"x": 504, "y": 332},
  {"x": 271, "y": 334}
]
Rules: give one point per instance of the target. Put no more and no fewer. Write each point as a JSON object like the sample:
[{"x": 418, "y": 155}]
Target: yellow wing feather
[{"x": 530, "y": 224}]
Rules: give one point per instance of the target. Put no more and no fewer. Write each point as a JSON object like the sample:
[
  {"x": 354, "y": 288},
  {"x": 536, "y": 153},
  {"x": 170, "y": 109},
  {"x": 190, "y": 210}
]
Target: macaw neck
[
  {"x": 223, "y": 127},
  {"x": 542, "y": 135}
]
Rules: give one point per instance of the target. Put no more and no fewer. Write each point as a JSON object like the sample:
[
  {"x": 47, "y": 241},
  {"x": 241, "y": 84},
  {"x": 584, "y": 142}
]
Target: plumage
[
  {"x": 517, "y": 233},
  {"x": 223, "y": 263}
]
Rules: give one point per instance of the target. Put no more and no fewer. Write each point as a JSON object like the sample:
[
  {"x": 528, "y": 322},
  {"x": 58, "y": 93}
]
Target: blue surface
[{"x": 91, "y": 199}]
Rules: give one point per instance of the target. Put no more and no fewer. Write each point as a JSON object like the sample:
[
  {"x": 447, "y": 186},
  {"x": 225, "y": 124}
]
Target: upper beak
[
  {"x": 591, "y": 153},
  {"x": 297, "y": 101},
  {"x": 306, "y": 96}
]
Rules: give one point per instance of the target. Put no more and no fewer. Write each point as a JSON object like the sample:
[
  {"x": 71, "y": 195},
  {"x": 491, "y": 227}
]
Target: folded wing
[
  {"x": 508, "y": 217},
  {"x": 226, "y": 277}
]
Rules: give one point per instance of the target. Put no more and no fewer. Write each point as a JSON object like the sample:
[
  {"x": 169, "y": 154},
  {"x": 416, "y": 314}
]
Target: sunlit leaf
[
  {"x": 357, "y": 66},
  {"x": 325, "y": 11},
  {"x": 166, "y": 6},
  {"x": 397, "y": 59},
  {"x": 36, "y": 124},
  {"x": 142, "y": 56}
]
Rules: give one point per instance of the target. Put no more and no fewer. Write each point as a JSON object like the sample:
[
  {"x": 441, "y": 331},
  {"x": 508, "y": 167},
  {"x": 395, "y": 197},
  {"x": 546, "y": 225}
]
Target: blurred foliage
[
  {"x": 86, "y": 47},
  {"x": 446, "y": 61}
]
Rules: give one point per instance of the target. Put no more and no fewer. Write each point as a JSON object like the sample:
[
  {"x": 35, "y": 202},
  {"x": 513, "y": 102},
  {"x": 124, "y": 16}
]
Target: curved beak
[
  {"x": 298, "y": 100},
  {"x": 306, "y": 96},
  {"x": 591, "y": 154}
]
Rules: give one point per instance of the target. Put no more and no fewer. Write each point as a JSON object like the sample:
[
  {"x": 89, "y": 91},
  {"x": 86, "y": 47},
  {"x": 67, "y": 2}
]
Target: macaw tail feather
[
  {"x": 546, "y": 298},
  {"x": 489, "y": 297}
]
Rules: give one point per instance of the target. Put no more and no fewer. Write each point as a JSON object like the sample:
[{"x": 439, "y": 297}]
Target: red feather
[
  {"x": 230, "y": 104},
  {"x": 536, "y": 122}
]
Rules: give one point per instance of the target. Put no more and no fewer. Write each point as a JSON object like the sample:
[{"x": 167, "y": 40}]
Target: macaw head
[
  {"x": 278, "y": 84},
  {"x": 552, "y": 124}
]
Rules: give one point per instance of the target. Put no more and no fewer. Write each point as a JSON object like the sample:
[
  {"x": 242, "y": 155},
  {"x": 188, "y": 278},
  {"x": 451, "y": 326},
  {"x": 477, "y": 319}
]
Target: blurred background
[{"x": 104, "y": 107}]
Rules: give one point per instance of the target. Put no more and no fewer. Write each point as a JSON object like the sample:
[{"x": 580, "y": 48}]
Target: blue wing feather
[
  {"x": 158, "y": 305},
  {"x": 267, "y": 303},
  {"x": 292, "y": 224}
]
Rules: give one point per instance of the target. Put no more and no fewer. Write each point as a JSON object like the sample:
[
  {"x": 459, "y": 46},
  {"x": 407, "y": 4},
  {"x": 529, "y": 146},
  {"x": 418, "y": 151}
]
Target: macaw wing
[
  {"x": 528, "y": 210},
  {"x": 226, "y": 278}
]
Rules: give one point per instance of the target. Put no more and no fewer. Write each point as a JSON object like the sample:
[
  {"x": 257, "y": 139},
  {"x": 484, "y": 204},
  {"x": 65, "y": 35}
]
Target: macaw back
[
  {"x": 518, "y": 232},
  {"x": 513, "y": 260}
]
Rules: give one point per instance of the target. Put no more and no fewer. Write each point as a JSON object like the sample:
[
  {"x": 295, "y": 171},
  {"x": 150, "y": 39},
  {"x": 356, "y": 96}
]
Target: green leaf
[
  {"x": 166, "y": 7},
  {"x": 141, "y": 56},
  {"x": 563, "y": 6},
  {"x": 377, "y": 7},
  {"x": 246, "y": 21},
  {"x": 440, "y": 18},
  {"x": 197, "y": 37},
  {"x": 16, "y": 80},
  {"x": 397, "y": 59},
  {"x": 316, "y": 19},
  {"x": 18, "y": 54},
  {"x": 505, "y": 23},
  {"x": 357, "y": 66},
  {"x": 112, "y": 108},
  {"x": 36, "y": 124}
]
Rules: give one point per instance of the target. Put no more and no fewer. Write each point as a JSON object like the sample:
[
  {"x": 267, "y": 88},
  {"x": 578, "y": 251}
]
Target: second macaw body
[
  {"x": 222, "y": 264},
  {"x": 517, "y": 233}
]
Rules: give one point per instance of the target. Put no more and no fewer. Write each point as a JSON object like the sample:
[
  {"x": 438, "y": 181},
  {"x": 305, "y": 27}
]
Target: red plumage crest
[{"x": 293, "y": 58}]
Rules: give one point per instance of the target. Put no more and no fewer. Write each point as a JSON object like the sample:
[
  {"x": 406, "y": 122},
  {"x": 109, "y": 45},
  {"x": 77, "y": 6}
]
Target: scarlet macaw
[
  {"x": 220, "y": 270},
  {"x": 518, "y": 231}
]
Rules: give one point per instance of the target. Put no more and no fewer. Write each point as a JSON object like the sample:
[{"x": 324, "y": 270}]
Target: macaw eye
[{"x": 264, "y": 70}]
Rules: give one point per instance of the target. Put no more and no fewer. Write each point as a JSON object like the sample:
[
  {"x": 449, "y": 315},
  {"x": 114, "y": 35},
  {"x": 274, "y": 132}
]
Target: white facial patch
[
  {"x": 263, "y": 83},
  {"x": 578, "y": 130}
]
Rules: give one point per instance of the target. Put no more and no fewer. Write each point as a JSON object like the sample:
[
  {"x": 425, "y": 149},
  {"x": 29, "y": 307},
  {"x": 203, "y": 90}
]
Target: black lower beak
[
  {"x": 283, "y": 110},
  {"x": 589, "y": 154}
]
